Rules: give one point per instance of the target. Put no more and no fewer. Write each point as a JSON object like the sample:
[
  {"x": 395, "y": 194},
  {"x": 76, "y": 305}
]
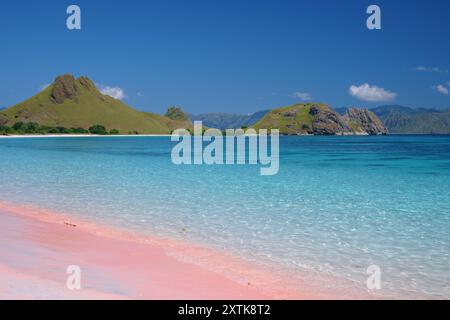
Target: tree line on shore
[{"x": 35, "y": 128}]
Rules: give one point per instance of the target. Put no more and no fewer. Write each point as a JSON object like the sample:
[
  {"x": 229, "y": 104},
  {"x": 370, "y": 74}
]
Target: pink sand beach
[{"x": 37, "y": 247}]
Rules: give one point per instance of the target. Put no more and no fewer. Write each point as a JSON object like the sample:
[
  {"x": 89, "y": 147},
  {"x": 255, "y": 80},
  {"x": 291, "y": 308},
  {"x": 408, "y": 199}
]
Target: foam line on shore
[{"x": 140, "y": 266}]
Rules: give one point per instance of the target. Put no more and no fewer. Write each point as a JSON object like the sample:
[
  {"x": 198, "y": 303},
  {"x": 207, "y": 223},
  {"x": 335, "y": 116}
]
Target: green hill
[
  {"x": 77, "y": 103},
  {"x": 320, "y": 119},
  {"x": 293, "y": 119}
]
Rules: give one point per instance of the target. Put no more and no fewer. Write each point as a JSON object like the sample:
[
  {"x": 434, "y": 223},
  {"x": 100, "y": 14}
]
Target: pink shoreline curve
[{"x": 37, "y": 246}]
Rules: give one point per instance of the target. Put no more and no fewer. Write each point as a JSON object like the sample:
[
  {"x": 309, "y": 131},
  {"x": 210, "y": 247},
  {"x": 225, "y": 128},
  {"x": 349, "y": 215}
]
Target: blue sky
[{"x": 232, "y": 56}]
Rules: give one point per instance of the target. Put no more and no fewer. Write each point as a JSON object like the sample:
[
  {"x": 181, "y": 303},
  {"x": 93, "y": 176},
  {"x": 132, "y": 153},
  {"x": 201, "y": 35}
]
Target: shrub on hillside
[{"x": 98, "y": 129}]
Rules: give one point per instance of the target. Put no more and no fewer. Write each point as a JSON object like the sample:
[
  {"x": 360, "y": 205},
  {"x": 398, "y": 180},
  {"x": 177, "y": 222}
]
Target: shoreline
[
  {"x": 35, "y": 136},
  {"x": 131, "y": 266},
  {"x": 79, "y": 135}
]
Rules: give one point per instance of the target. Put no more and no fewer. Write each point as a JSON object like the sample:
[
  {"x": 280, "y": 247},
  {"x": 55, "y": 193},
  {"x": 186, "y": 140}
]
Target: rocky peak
[
  {"x": 176, "y": 113},
  {"x": 326, "y": 121},
  {"x": 363, "y": 120},
  {"x": 64, "y": 88},
  {"x": 87, "y": 83}
]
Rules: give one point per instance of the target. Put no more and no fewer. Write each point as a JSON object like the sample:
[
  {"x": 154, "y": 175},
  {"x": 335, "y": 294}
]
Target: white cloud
[
  {"x": 43, "y": 87},
  {"x": 302, "y": 95},
  {"x": 115, "y": 92},
  {"x": 139, "y": 94},
  {"x": 441, "y": 89},
  {"x": 431, "y": 69},
  {"x": 367, "y": 92},
  {"x": 428, "y": 69}
]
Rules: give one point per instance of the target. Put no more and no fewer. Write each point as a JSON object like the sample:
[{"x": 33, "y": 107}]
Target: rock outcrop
[
  {"x": 176, "y": 113},
  {"x": 64, "y": 88},
  {"x": 363, "y": 121},
  {"x": 88, "y": 84},
  {"x": 326, "y": 121}
]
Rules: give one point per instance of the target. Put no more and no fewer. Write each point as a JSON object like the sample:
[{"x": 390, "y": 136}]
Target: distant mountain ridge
[
  {"x": 406, "y": 120},
  {"x": 224, "y": 121},
  {"x": 417, "y": 121}
]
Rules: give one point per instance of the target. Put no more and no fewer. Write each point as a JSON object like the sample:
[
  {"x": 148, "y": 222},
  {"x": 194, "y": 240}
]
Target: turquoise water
[{"x": 337, "y": 205}]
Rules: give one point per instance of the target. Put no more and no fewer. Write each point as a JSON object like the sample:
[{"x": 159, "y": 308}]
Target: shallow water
[{"x": 337, "y": 205}]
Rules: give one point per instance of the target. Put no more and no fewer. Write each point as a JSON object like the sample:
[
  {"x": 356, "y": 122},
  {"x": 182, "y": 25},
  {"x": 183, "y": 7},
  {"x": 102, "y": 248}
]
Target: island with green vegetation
[
  {"x": 320, "y": 119},
  {"x": 76, "y": 106}
]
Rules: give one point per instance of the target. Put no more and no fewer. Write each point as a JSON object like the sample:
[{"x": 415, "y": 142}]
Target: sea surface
[{"x": 337, "y": 206}]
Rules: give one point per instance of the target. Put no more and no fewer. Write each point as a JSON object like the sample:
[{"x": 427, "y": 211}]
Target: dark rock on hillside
[
  {"x": 64, "y": 88},
  {"x": 326, "y": 121},
  {"x": 364, "y": 121},
  {"x": 87, "y": 83},
  {"x": 176, "y": 113}
]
